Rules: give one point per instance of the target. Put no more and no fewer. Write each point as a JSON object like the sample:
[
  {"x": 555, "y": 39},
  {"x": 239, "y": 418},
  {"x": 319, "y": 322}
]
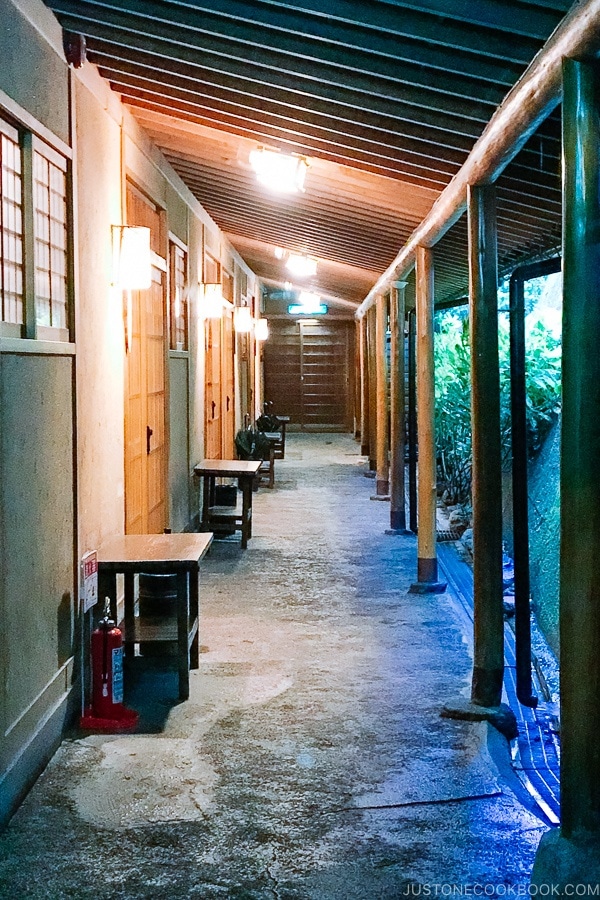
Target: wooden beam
[{"x": 531, "y": 100}]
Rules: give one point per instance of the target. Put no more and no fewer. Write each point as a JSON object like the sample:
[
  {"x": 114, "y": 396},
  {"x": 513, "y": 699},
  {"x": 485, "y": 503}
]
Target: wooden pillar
[
  {"x": 488, "y": 670},
  {"x": 427, "y": 564},
  {"x": 412, "y": 420},
  {"x": 382, "y": 484},
  {"x": 397, "y": 409},
  {"x": 572, "y": 854},
  {"x": 357, "y": 382},
  {"x": 520, "y": 494},
  {"x": 372, "y": 356},
  {"x": 364, "y": 388}
]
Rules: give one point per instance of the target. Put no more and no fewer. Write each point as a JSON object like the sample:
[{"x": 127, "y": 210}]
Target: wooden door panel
[
  {"x": 306, "y": 372},
  {"x": 146, "y": 453}
]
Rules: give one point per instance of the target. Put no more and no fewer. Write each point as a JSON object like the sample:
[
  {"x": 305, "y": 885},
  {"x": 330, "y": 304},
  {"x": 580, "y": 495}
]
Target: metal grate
[{"x": 447, "y": 534}]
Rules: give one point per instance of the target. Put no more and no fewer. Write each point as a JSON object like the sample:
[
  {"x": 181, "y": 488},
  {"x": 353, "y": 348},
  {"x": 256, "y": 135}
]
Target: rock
[
  {"x": 508, "y": 603},
  {"x": 467, "y": 539}
]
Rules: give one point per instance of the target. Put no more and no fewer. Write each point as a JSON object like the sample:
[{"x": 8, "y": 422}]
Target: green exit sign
[{"x": 297, "y": 309}]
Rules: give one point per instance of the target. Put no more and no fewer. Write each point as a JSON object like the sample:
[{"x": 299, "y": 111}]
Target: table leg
[
  {"x": 205, "y": 502},
  {"x": 194, "y": 616},
  {"x": 129, "y": 620},
  {"x": 283, "y": 424},
  {"x": 246, "y": 485},
  {"x": 183, "y": 656}
]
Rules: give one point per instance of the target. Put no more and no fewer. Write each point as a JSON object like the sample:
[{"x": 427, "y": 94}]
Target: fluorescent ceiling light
[
  {"x": 301, "y": 266},
  {"x": 280, "y": 173}
]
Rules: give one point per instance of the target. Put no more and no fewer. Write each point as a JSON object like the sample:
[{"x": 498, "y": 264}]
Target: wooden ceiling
[{"x": 384, "y": 97}]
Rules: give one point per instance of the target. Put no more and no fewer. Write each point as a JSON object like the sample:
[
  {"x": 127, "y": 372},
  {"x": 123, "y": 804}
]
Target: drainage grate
[{"x": 447, "y": 535}]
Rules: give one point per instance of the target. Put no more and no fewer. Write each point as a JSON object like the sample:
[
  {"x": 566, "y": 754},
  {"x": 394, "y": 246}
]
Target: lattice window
[
  {"x": 50, "y": 228},
  {"x": 11, "y": 228},
  {"x": 178, "y": 298}
]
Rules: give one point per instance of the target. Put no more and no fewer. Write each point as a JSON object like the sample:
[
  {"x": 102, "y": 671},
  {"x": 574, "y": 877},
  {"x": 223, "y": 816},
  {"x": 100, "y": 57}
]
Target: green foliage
[{"x": 453, "y": 395}]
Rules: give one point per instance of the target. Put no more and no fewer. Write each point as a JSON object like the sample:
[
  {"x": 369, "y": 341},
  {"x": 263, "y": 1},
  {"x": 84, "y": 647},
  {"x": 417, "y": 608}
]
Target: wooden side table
[
  {"x": 157, "y": 554},
  {"x": 227, "y": 517}
]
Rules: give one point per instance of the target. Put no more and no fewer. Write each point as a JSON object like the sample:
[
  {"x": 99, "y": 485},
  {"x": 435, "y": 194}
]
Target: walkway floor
[{"x": 311, "y": 760}]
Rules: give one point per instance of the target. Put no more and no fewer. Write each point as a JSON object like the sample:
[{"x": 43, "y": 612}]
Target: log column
[
  {"x": 571, "y": 854},
  {"x": 372, "y": 356},
  {"x": 488, "y": 670},
  {"x": 412, "y": 420},
  {"x": 382, "y": 484},
  {"x": 364, "y": 388},
  {"x": 397, "y": 410},
  {"x": 427, "y": 564}
]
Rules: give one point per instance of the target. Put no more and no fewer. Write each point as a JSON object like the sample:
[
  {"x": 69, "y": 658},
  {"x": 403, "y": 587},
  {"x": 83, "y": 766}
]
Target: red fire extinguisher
[{"x": 107, "y": 712}]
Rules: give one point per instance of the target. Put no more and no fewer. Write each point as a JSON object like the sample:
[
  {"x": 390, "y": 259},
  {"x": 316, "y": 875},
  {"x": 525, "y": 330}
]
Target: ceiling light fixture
[
  {"x": 301, "y": 266},
  {"x": 278, "y": 172}
]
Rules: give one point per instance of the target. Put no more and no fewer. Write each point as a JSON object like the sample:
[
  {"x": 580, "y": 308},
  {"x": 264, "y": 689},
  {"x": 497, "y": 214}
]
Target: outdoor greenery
[{"x": 453, "y": 395}]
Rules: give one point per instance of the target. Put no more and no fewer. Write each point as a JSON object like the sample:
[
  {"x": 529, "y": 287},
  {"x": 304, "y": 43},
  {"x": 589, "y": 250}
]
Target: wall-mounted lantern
[
  {"x": 261, "y": 329},
  {"x": 132, "y": 257},
  {"x": 242, "y": 319}
]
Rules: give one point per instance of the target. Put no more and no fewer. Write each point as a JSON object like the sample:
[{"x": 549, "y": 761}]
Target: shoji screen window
[
  {"x": 50, "y": 234},
  {"x": 178, "y": 296},
  {"x": 11, "y": 230}
]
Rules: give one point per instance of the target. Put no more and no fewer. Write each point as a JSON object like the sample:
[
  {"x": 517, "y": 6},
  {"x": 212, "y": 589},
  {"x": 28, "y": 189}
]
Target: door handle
[
  {"x": 228, "y": 402},
  {"x": 214, "y": 405},
  {"x": 149, "y": 434}
]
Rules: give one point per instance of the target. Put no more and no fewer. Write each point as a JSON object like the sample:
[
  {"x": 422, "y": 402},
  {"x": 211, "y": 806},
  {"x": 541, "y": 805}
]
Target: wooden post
[
  {"x": 397, "y": 410},
  {"x": 364, "y": 388},
  {"x": 357, "y": 378},
  {"x": 571, "y": 854},
  {"x": 488, "y": 627},
  {"x": 412, "y": 420},
  {"x": 488, "y": 670},
  {"x": 427, "y": 564},
  {"x": 372, "y": 356},
  {"x": 382, "y": 484}
]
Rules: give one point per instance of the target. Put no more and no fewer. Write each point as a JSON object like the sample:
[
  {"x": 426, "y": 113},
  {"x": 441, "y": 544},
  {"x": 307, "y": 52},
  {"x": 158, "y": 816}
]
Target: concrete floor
[{"x": 311, "y": 760}]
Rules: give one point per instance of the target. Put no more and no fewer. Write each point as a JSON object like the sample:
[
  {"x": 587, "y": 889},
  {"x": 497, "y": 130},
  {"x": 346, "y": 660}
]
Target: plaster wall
[
  {"x": 25, "y": 55},
  {"x": 38, "y": 593},
  {"x": 179, "y": 465},
  {"x": 99, "y": 325}
]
